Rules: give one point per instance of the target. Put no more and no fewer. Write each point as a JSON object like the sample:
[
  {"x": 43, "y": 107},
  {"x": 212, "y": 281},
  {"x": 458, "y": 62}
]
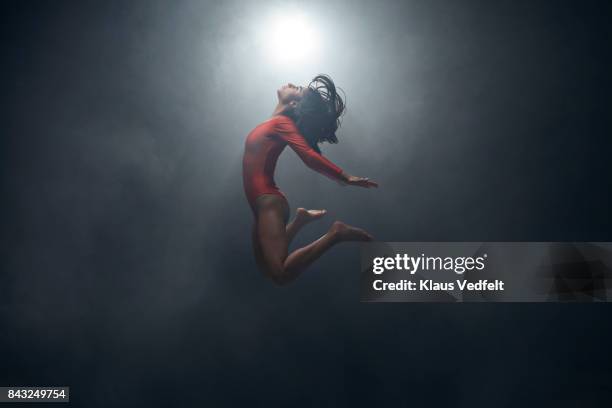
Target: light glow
[{"x": 290, "y": 38}]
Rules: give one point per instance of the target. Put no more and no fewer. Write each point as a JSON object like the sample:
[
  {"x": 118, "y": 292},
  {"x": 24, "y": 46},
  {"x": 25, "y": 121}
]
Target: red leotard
[{"x": 263, "y": 146}]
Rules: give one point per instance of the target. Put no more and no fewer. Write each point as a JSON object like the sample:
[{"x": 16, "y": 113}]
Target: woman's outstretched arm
[{"x": 287, "y": 130}]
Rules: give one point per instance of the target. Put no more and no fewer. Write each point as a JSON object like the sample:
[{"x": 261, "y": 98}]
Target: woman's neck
[{"x": 280, "y": 109}]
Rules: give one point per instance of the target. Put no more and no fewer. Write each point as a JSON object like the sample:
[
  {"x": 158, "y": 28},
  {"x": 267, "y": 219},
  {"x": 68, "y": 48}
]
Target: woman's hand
[{"x": 359, "y": 181}]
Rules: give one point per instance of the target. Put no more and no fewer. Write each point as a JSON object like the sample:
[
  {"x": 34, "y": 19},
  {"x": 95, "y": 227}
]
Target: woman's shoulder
[
  {"x": 278, "y": 119},
  {"x": 283, "y": 123},
  {"x": 276, "y": 125}
]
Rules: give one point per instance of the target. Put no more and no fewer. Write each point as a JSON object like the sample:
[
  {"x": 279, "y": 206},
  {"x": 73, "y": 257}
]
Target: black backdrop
[{"x": 127, "y": 271}]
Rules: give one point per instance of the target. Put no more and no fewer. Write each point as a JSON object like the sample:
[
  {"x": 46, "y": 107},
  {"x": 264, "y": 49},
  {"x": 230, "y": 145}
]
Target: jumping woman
[{"x": 303, "y": 118}]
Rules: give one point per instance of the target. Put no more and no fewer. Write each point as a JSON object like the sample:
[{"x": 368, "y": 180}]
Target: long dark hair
[{"x": 318, "y": 115}]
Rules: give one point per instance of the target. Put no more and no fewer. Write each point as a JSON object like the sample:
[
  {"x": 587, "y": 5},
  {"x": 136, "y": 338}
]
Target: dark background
[{"x": 127, "y": 271}]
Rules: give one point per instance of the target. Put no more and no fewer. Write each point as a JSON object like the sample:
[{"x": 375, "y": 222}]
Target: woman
[{"x": 303, "y": 118}]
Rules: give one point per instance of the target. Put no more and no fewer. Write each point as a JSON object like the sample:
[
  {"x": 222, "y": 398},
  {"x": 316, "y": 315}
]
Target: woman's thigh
[{"x": 270, "y": 237}]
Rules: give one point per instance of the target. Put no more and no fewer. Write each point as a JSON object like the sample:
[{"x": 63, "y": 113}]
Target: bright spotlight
[{"x": 291, "y": 38}]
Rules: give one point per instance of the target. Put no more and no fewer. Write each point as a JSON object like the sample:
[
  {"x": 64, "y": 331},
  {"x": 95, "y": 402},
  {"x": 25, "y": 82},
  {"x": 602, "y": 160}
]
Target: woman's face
[{"x": 290, "y": 93}]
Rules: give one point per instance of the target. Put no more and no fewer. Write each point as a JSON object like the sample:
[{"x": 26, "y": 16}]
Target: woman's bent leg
[
  {"x": 272, "y": 238},
  {"x": 302, "y": 217}
]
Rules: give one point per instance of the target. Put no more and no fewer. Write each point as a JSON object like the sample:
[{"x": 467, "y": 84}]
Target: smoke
[{"x": 127, "y": 263}]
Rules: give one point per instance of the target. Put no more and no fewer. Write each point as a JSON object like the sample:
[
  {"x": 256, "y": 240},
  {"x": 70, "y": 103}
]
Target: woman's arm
[{"x": 287, "y": 131}]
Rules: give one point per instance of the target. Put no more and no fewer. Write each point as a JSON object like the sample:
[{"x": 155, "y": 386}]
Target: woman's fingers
[
  {"x": 362, "y": 182},
  {"x": 367, "y": 183}
]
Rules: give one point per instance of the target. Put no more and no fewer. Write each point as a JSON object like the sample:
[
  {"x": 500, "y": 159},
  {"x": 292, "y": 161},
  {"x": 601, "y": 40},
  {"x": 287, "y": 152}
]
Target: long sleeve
[{"x": 288, "y": 132}]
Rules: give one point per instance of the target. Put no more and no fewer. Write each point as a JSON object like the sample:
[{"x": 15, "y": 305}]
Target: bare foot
[
  {"x": 304, "y": 216},
  {"x": 344, "y": 232}
]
